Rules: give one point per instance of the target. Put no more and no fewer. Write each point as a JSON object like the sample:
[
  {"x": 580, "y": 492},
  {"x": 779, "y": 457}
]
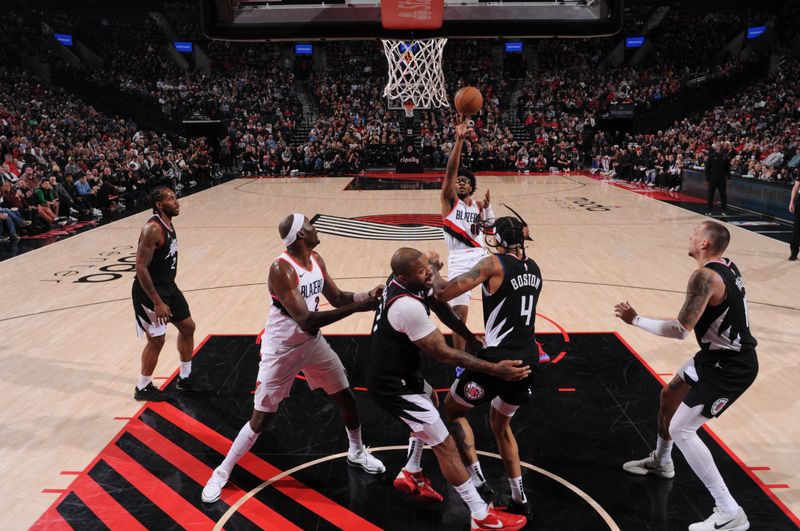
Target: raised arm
[
  {"x": 151, "y": 237},
  {"x": 283, "y": 285},
  {"x": 339, "y": 298},
  {"x": 449, "y": 196},
  {"x": 435, "y": 345}
]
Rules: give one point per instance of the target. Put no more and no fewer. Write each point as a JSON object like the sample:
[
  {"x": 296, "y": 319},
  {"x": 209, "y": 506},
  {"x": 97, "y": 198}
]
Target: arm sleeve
[
  {"x": 661, "y": 327},
  {"x": 409, "y": 317}
]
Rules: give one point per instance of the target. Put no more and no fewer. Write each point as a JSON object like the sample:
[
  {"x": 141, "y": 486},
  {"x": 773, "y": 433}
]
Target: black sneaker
[
  {"x": 486, "y": 492},
  {"x": 191, "y": 384},
  {"x": 150, "y": 393},
  {"x": 515, "y": 507},
  {"x": 793, "y": 258}
]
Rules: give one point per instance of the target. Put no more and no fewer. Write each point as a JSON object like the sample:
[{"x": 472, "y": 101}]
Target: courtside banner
[{"x": 412, "y": 14}]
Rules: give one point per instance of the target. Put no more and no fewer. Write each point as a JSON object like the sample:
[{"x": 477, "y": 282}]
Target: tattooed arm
[
  {"x": 703, "y": 285},
  {"x": 445, "y": 290}
]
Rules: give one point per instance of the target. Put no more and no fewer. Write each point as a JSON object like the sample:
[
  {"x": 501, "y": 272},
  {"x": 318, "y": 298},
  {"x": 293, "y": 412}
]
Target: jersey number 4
[{"x": 527, "y": 309}]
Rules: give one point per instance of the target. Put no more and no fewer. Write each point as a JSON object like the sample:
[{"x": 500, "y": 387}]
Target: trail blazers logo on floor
[{"x": 402, "y": 227}]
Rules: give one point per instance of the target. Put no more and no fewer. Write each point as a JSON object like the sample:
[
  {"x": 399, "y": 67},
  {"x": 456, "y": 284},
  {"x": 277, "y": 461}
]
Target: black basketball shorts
[{"x": 143, "y": 308}]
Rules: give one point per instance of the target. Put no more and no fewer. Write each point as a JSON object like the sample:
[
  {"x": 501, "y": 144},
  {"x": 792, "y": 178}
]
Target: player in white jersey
[
  {"x": 461, "y": 223},
  {"x": 293, "y": 342}
]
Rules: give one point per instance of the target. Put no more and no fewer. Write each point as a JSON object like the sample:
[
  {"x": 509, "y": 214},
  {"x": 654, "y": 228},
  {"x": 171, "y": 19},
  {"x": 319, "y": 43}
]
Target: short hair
[
  {"x": 156, "y": 195},
  {"x": 718, "y": 236},
  {"x": 469, "y": 175}
]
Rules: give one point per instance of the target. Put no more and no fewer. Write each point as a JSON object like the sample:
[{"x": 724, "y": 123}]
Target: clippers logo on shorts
[
  {"x": 473, "y": 391},
  {"x": 718, "y": 405}
]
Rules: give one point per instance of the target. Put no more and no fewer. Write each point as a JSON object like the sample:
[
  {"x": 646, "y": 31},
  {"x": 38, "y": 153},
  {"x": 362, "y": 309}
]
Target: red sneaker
[
  {"x": 497, "y": 519},
  {"x": 416, "y": 485}
]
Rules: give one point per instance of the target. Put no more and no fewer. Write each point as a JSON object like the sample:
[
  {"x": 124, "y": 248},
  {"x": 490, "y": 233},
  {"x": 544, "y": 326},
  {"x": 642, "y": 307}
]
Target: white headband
[{"x": 297, "y": 224}]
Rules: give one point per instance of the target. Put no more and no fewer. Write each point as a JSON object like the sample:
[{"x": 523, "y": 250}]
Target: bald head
[{"x": 402, "y": 259}]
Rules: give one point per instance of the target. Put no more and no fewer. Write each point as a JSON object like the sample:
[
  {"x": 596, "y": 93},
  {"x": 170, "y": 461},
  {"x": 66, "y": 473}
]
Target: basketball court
[{"x": 81, "y": 452}]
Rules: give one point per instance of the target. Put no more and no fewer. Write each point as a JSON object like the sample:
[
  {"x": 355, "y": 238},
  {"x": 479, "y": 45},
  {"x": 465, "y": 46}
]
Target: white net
[{"x": 415, "y": 73}]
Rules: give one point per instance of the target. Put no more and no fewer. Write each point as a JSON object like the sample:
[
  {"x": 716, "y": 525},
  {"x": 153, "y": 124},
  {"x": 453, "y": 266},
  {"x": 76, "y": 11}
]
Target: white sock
[
  {"x": 186, "y": 369},
  {"x": 144, "y": 381},
  {"x": 354, "y": 436},
  {"x": 476, "y": 474},
  {"x": 517, "y": 492},
  {"x": 241, "y": 445},
  {"x": 477, "y": 506},
  {"x": 663, "y": 451},
  {"x": 415, "y": 446},
  {"x": 683, "y": 429}
]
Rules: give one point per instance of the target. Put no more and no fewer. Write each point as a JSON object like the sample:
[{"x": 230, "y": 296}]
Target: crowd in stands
[
  {"x": 758, "y": 130},
  {"x": 62, "y": 161}
]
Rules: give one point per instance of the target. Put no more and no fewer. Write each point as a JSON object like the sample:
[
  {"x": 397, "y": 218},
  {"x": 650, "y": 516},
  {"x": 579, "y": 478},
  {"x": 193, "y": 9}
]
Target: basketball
[{"x": 468, "y": 101}]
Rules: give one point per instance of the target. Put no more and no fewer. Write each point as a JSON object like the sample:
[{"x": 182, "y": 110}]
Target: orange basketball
[{"x": 468, "y": 101}]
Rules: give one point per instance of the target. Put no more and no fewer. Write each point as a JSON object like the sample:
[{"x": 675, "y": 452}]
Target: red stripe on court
[
  {"x": 253, "y": 510},
  {"x": 566, "y": 389},
  {"x": 307, "y": 497},
  {"x": 166, "y": 499},
  {"x": 776, "y": 486},
  {"x": 70, "y": 472},
  {"x": 104, "y": 506},
  {"x": 759, "y": 468},
  {"x": 736, "y": 459}
]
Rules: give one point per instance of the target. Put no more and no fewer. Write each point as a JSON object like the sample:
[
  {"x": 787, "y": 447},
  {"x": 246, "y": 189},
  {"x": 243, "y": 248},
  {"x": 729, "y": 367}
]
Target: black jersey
[
  {"x": 394, "y": 360},
  {"x": 724, "y": 330},
  {"x": 509, "y": 313},
  {"x": 164, "y": 265}
]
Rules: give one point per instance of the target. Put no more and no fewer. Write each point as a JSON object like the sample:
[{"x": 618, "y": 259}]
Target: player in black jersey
[
  {"x": 706, "y": 385},
  {"x": 511, "y": 285},
  {"x": 402, "y": 331},
  {"x": 157, "y": 299}
]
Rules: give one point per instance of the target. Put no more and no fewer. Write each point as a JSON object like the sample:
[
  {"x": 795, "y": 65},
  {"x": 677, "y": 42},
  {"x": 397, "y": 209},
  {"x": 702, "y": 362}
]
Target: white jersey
[
  {"x": 462, "y": 228},
  {"x": 281, "y": 331}
]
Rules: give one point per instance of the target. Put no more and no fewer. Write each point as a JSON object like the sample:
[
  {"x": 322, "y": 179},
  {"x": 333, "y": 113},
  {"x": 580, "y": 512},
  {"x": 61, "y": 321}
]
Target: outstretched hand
[
  {"x": 434, "y": 261},
  {"x": 376, "y": 292},
  {"x": 486, "y": 201},
  {"x": 463, "y": 130},
  {"x": 625, "y": 311}
]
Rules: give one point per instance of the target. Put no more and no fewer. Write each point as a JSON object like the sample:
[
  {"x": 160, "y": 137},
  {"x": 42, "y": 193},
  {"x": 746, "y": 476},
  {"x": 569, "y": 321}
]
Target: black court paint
[{"x": 582, "y": 436}]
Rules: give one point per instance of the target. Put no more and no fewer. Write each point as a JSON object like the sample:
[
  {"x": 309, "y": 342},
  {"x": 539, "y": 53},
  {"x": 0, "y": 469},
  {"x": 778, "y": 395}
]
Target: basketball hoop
[
  {"x": 409, "y": 107},
  {"x": 415, "y": 72}
]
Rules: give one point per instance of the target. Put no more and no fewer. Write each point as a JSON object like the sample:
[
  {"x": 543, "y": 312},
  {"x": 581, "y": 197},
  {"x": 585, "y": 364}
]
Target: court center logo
[
  {"x": 580, "y": 203},
  {"x": 106, "y": 266},
  {"x": 400, "y": 227}
]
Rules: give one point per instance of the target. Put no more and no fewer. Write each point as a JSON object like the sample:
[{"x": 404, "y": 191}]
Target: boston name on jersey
[{"x": 525, "y": 279}]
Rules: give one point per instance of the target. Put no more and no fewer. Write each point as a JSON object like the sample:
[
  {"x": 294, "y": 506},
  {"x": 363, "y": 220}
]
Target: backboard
[{"x": 297, "y": 20}]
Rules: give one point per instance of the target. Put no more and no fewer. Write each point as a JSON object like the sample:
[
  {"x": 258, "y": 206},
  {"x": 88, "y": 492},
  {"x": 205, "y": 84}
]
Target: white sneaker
[
  {"x": 365, "y": 460},
  {"x": 648, "y": 465},
  {"x": 719, "y": 521},
  {"x": 213, "y": 489}
]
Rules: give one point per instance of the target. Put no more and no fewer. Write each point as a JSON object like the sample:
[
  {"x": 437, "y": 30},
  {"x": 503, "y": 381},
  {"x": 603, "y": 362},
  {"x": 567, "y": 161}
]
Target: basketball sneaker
[
  {"x": 649, "y": 465},
  {"x": 213, "y": 489},
  {"x": 191, "y": 384},
  {"x": 366, "y": 461},
  {"x": 719, "y": 521},
  {"x": 515, "y": 507},
  {"x": 497, "y": 519},
  {"x": 416, "y": 485},
  {"x": 150, "y": 393}
]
